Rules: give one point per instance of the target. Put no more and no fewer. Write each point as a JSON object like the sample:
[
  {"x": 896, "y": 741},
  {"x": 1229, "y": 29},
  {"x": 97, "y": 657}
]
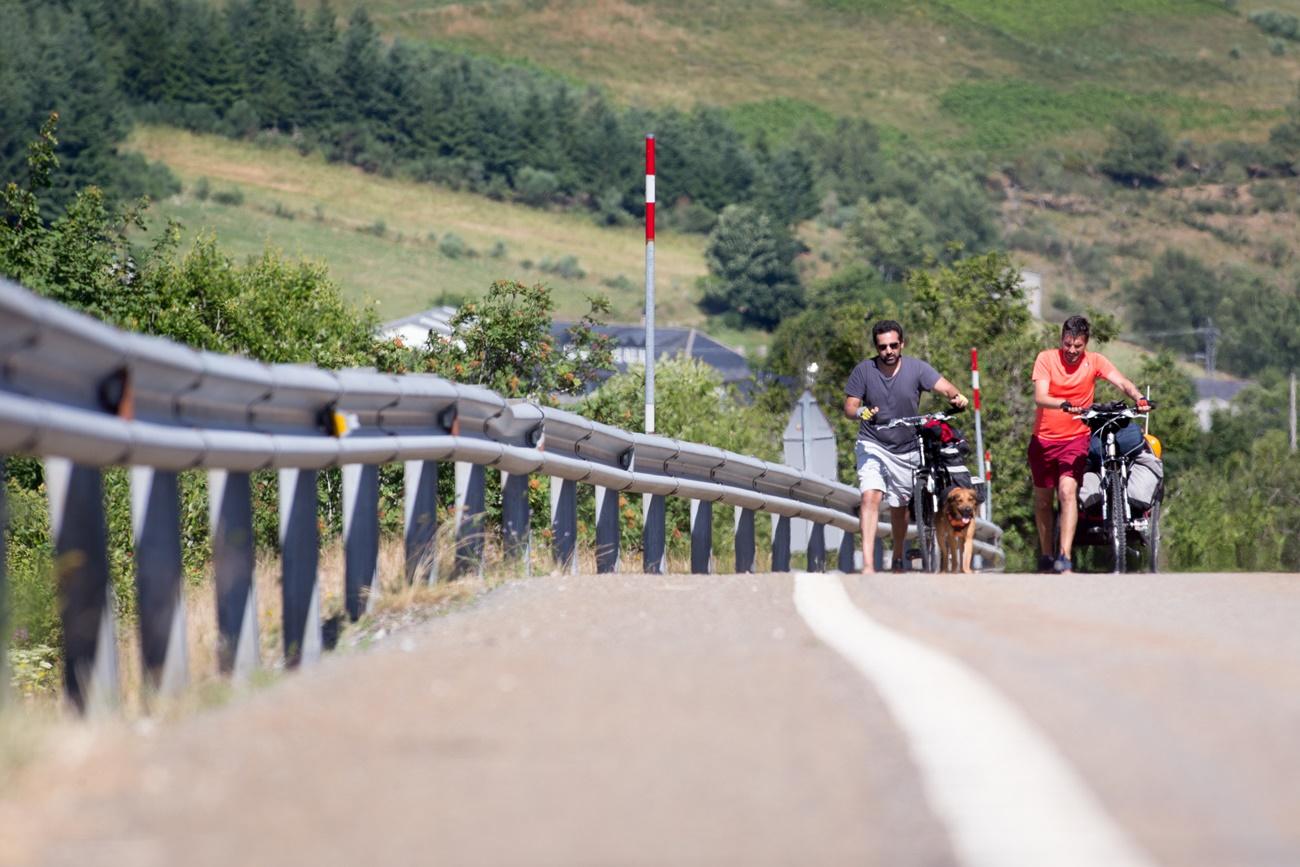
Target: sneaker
[
  {"x": 1062, "y": 564},
  {"x": 1046, "y": 563},
  {"x": 898, "y": 566}
]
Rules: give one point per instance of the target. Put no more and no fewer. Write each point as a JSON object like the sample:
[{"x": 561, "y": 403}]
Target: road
[{"x": 755, "y": 720}]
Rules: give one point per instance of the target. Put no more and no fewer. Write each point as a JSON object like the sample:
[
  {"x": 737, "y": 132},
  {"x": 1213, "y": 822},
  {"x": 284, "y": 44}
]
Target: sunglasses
[{"x": 881, "y": 347}]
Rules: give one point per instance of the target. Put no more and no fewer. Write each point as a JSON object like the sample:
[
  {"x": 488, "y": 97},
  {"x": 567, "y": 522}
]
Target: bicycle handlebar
[
  {"x": 1114, "y": 410},
  {"x": 917, "y": 420}
]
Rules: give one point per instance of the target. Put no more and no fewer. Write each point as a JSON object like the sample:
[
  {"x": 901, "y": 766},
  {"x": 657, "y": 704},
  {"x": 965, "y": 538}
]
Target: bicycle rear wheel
[
  {"x": 1153, "y": 538},
  {"x": 924, "y": 509},
  {"x": 1116, "y": 525}
]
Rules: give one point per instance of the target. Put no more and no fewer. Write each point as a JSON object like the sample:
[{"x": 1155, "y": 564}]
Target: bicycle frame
[
  {"x": 926, "y": 488},
  {"x": 1117, "y": 517}
]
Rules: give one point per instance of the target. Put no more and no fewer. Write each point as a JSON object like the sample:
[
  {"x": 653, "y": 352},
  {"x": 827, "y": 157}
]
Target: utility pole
[{"x": 1293, "y": 412}]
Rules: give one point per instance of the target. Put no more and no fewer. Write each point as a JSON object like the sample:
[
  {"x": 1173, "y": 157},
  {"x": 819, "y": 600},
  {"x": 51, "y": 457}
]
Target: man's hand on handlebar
[
  {"x": 958, "y": 401},
  {"x": 1066, "y": 406},
  {"x": 1144, "y": 405},
  {"x": 867, "y": 413}
]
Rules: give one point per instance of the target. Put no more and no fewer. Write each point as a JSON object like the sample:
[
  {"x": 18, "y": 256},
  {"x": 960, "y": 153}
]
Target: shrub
[
  {"x": 536, "y": 187},
  {"x": 1276, "y": 23},
  {"x": 452, "y": 246},
  {"x": 202, "y": 189},
  {"x": 233, "y": 197},
  {"x": 566, "y": 267}
]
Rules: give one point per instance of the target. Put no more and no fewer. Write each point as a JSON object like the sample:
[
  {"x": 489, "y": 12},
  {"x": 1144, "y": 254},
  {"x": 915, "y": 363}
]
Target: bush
[
  {"x": 202, "y": 189},
  {"x": 233, "y": 197},
  {"x": 452, "y": 246},
  {"x": 566, "y": 267},
  {"x": 536, "y": 187},
  {"x": 1276, "y": 23},
  {"x": 1270, "y": 196}
]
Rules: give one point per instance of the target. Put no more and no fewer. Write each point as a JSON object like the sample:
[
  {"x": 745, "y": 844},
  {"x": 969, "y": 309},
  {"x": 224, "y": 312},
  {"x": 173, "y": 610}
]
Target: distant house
[
  {"x": 629, "y": 348},
  {"x": 415, "y": 329},
  {"x": 1212, "y": 394},
  {"x": 629, "y": 342}
]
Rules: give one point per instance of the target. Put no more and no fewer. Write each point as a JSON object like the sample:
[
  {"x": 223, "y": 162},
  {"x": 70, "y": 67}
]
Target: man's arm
[
  {"x": 948, "y": 390},
  {"x": 1043, "y": 397},
  {"x": 1122, "y": 382},
  {"x": 853, "y": 409}
]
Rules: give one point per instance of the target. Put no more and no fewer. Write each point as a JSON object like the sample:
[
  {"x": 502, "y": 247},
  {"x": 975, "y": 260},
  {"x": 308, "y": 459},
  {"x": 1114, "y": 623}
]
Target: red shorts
[{"x": 1051, "y": 459}]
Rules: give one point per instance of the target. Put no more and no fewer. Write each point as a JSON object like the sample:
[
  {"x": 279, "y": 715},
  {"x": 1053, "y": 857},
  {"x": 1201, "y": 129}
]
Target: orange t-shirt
[{"x": 1076, "y": 383}]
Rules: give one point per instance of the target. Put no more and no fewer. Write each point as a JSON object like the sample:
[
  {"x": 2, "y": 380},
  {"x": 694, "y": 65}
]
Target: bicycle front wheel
[
  {"x": 1116, "y": 525},
  {"x": 924, "y": 508}
]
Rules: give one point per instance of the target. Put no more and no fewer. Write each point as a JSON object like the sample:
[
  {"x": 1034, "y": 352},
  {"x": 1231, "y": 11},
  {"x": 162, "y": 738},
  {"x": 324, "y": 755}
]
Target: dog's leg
[{"x": 968, "y": 548}]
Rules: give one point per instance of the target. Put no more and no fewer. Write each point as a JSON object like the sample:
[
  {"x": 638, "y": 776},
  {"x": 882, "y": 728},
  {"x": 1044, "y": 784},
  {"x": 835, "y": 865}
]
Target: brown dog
[{"x": 954, "y": 527}]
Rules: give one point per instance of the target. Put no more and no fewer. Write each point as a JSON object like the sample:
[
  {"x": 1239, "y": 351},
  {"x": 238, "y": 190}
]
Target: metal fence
[{"x": 84, "y": 396}]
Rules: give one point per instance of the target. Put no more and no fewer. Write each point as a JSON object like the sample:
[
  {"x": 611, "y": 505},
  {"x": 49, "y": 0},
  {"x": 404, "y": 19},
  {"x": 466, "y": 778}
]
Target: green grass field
[
  {"x": 1001, "y": 76},
  {"x": 387, "y": 240}
]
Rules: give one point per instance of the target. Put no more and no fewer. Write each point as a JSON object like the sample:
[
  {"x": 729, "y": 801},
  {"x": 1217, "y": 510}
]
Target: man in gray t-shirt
[{"x": 880, "y": 389}]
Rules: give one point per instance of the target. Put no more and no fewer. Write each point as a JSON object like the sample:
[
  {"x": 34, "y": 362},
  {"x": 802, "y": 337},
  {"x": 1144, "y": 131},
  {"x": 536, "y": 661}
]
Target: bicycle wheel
[
  {"x": 1116, "y": 526},
  {"x": 1153, "y": 538},
  {"x": 923, "y": 509}
]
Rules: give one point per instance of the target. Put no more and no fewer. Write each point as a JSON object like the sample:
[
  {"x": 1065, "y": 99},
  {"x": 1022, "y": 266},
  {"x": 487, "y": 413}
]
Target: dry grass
[{"x": 330, "y": 213}]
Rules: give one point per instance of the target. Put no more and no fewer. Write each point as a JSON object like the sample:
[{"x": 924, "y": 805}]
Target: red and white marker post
[
  {"x": 650, "y": 283},
  {"x": 985, "y": 464}
]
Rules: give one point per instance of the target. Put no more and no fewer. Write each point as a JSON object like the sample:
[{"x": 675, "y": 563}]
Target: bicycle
[
  {"x": 929, "y": 480},
  {"x": 1120, "y": 529}
]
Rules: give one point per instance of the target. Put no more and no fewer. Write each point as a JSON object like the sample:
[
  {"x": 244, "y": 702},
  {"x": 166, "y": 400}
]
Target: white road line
[{"x": 1006, "y": 795}]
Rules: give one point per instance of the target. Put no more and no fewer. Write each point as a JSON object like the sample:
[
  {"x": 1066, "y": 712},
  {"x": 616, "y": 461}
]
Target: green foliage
[
  {"x": 1139, "y": 150},
  {"x": 893, "y": 236},
  {"x": 1258, "y": 320},
  {"x": 690, "y": 404},
  {"x": 1239, "y": 513},
  {"x": 504, "y": 342},
  {"x": 751, "y": 263},
  {"x": 1276, "y": 23}
]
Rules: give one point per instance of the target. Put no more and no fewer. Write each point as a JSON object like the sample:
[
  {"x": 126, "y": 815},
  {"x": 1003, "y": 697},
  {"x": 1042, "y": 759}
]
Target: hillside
[
  {"x": 1024, "y": 97},
  {"x": 1007, "y": 78},
  {"x": 408, "y": 246}
]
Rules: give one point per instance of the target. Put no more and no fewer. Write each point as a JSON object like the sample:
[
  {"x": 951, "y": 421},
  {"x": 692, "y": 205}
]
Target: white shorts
[{"x": 882, "y": 470}]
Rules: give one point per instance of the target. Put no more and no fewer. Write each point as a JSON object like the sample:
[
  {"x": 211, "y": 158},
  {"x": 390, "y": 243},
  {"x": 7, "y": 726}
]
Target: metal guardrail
[{"x": 83, "y": 395}]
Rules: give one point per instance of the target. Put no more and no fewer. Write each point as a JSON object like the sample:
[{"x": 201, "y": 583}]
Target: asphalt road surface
[{"x": 755, "y": 720}]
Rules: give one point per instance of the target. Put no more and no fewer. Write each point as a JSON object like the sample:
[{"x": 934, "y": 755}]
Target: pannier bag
[
  {"x": 1090, "y": 490},
  {"x": 1144, "y": 477},
  {"x": 1129, "y": 441},
  {"x": 951, "y": 447}
]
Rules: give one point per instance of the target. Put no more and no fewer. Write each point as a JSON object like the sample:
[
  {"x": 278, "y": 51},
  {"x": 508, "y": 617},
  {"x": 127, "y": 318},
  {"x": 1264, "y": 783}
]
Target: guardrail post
[
  {"x": 781, "y": 543},
  {"x": 76, "y": 503},
  {"x": 654, "y": 538},
  {"x": 360, "y": 537},
  {"x": 848, "y": 552},
  {"x": 421, "y": 520},
  {"x": 607, "y": 529},
  {"x": 300, "y": 559},
  {"x": 230, "y": 508},
  {"x": 744, "y": 539},
  {"x": 156, "y": 525},
  {"x": 471, "y": 492},
  {"x": 701, "y": 537},
  {"x": 816, "y": 547},
  {"x": 564, "y": 523},
  {"x": 516, "y": 516},
  {"x": 4, "y": 588}
]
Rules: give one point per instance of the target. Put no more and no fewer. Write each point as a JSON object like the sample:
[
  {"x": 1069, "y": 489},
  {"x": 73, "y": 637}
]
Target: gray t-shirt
[{"x": 897, "y": 396}]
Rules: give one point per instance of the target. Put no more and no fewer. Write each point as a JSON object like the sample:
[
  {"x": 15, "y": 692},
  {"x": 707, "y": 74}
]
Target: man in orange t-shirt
[{"x": 1064, "y": 383}]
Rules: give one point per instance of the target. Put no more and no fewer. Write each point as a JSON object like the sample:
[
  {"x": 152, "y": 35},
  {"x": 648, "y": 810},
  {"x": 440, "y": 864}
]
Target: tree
[
  {"x": 1139, "y": 149},
  {"x": 893, "y": 236},
  {"x": 504, "y": 342},
  {"x": 751, "y": 264}
]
